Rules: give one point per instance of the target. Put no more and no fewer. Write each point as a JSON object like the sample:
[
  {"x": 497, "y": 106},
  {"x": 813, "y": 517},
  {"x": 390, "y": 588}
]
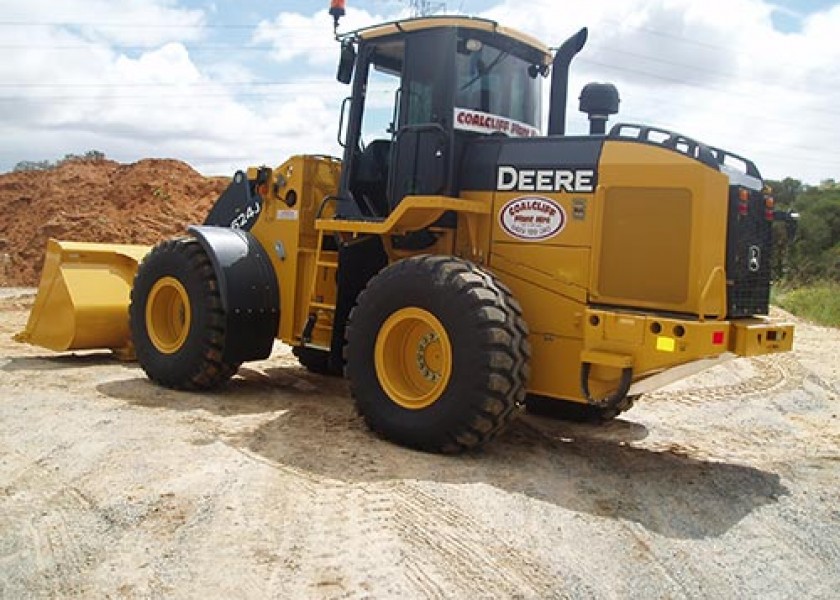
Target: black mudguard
[{"x": 248, "y": 288}]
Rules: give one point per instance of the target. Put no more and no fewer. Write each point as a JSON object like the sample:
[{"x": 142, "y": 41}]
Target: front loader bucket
[{"x": 83, "y": 297}]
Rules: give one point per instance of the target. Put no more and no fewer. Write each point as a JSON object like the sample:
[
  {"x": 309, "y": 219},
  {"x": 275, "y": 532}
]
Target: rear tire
[
  {"x": 437, "y": 354},
  {"x": 177, "y": 320}
]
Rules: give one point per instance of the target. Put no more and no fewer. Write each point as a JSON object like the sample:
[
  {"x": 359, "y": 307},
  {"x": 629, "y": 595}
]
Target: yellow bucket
[{"x": 83, "y": 297}]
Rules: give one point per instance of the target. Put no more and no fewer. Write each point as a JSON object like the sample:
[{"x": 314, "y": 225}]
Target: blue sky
[
  {"x": 223, "y": 84},
  {"x": 791, "y": 12}
]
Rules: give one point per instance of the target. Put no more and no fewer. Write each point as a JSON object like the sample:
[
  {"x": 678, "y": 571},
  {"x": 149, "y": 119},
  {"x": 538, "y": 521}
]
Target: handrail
[{"x": 720, "y": 316}]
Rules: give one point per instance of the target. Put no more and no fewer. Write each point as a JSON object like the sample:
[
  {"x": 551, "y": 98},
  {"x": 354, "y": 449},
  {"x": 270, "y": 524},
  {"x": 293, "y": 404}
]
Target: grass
[{"x": 819, "y": 302}]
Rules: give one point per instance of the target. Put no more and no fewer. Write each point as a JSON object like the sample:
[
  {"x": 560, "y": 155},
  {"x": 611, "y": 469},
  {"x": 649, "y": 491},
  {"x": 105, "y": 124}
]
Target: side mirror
[{"x": 346, "y": 62}]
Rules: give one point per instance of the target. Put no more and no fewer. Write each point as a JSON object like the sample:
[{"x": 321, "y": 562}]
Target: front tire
[
  {"x": 437, "y": 354},
  {"x": 177, "y": 320}
]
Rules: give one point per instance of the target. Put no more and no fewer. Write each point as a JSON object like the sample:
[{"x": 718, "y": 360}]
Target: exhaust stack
[{"x": 560, "y": 81}]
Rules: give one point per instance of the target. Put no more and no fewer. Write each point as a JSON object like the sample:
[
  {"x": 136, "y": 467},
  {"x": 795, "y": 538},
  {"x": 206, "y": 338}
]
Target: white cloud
[
  {"x": 717, "y": 71},
  {"x": 310, "y": 38},
  {"x": 66, "y": 91},
  {"x": 126, "y": 22},
  {"x": 124, "y": 79}
]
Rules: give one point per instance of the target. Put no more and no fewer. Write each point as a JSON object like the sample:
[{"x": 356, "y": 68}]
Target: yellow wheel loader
[{"x": 460, "y": 261}]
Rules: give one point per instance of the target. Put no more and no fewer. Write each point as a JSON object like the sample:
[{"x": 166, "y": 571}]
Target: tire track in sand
[
  {"x": 390, "y": 538},
  {"x": 448, "y": 544},
  {"x": 386, "y": 539},
  {"x": 50, "y": 525},
  {"x": 773, "y": 374}
]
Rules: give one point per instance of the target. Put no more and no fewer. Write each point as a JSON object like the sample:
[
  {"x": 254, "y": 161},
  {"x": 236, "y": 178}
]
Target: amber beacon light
[{"x": 337, "y": 11}]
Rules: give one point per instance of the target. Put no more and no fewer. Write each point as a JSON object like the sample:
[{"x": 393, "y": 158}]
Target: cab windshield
[{"x": 496, "y": 91}]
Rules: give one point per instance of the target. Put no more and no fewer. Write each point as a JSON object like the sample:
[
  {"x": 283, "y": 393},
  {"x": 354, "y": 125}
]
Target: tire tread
[
  {"x": 210, "y": 371},
  {"x": 503, "y": 336}
]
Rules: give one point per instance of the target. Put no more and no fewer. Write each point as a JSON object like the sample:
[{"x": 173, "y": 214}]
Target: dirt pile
[{"x": 96, "y": 201}]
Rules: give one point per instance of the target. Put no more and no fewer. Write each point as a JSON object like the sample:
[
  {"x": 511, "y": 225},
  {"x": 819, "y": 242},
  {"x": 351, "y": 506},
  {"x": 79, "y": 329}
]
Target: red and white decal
[
  {"x": 532, "y": 218},
  {"x": 482, "y": 122}
]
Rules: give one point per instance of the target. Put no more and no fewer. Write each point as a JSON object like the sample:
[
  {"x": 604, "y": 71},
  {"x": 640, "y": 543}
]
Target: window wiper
[{"x": 490, "y": 67}]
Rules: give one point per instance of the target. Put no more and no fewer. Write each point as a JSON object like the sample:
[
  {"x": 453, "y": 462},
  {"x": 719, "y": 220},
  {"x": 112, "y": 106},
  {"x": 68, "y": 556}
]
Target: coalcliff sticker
[{"x": 532, "y": 218}]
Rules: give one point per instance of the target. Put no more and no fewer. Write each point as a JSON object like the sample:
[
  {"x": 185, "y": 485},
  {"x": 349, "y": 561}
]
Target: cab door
[{"x": 423, "y": 140}]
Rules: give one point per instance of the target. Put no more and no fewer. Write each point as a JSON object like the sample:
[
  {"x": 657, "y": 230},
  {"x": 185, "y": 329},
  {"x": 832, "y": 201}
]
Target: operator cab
[{"x": 422, "y": 90}]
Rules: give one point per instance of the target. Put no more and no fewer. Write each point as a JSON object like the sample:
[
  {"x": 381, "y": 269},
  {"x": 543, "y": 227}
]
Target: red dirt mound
[{"x": 96, "y": 201}]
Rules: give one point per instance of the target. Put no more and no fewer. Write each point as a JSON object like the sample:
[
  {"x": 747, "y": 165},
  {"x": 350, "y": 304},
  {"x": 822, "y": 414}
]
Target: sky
[{"x": 224, "y": 85}]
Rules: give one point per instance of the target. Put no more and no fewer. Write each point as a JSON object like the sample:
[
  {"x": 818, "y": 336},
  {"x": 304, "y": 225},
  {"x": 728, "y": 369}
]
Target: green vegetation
[
  {"x": 819, "y": 302},
  {"x": 44, "y": 165},
  {"x": 806, "y": 259},
  {"x": 812, "y": 254},
  {"x": 161, "y": 194}
]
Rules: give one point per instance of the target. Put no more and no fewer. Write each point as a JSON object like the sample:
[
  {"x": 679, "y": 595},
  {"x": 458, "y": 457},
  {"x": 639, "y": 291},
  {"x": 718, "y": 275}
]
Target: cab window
[{"x": 493, "y": 82}]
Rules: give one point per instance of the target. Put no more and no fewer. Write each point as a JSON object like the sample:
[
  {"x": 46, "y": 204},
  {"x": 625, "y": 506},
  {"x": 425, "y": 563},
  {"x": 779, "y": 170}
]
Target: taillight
[
  {"x": 743, "y": 201},
  {"x": 769, "y": 205}
]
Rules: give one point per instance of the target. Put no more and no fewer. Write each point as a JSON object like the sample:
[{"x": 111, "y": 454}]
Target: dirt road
[{"x": 726, "y": 485}]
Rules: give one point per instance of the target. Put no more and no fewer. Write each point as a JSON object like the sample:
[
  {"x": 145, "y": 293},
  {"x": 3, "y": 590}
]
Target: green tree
[
  {"x": 786, "y": 191},
  {"x": 815, "y": 253},
  {"x": 31, "y": 165},
  {"x": 43, "y": 165}
]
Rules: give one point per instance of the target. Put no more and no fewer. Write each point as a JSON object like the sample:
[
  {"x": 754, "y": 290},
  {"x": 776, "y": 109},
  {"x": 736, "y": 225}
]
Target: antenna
[{"x": 424, "y": 8}]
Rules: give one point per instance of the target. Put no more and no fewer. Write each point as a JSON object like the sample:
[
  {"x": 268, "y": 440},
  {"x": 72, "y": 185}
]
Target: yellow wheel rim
[
  {"x": 413, "y": 358},
  {"x": 168, "y": 315}
]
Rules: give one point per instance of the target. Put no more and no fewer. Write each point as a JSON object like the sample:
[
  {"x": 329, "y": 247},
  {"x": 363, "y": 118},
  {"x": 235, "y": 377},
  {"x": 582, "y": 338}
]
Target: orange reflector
[
  {"x": 718, "y": 338},
  {"x": 769, "y": 202},
  {"x": 743, "y": 194}
]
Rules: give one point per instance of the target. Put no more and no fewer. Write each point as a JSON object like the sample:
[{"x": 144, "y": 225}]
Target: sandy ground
[{"x": 724, "y": 486}]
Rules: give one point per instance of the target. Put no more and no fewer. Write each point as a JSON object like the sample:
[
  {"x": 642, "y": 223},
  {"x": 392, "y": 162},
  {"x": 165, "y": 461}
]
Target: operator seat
[{"x": 371, "y": 181}]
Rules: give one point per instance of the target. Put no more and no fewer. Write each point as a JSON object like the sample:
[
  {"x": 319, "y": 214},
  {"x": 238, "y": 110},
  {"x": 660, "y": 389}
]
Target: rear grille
[{"x": 747, "y": 256}]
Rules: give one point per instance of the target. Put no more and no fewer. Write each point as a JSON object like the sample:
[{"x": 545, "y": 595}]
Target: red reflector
[
  {"x": 718, "y": 337},
  {"x": 768, "y": 214},
  {"x": 742, "y": 209}
]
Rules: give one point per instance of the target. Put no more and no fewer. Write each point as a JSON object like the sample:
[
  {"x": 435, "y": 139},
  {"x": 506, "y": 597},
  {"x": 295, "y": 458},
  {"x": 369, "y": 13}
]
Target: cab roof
[{"x": 418, "y": 24}]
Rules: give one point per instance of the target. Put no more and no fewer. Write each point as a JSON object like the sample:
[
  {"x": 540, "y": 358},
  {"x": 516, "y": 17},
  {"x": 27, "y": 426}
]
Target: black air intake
[{"x": 599, "y": 101}]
